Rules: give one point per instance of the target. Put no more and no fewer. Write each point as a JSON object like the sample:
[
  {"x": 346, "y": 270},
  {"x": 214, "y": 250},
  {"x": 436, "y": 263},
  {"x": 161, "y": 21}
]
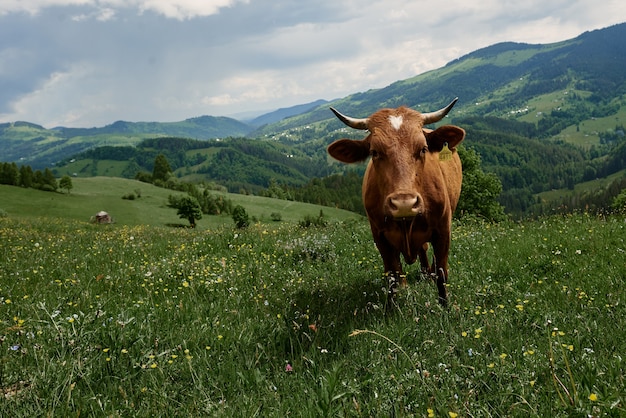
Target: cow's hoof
[{"x": 393, "y": 285}]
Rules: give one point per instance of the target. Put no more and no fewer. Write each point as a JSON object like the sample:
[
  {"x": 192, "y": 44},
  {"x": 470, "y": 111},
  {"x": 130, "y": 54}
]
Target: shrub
[
  {"x": 174, "y": 201},
  {"x": 276, "y": 217},
  {"x": 144, "y": 177},
  {"x": 619, "y": 202},
  {"x": 310, "y": 220},
  {"x": 240, "y": 216}
]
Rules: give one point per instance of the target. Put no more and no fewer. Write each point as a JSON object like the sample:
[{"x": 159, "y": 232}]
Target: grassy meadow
[
  {"x": 279, "y": 320},
  {"x": 90, "y": 195}
]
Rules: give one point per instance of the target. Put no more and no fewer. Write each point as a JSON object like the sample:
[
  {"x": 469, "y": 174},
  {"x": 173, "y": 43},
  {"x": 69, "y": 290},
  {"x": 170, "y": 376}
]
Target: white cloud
[
  {"x": 177, "y": 9},
  {"x": 38, "y": 101},
  {"x": 35, "y": 6},
  {"x": 184, "y": 9},
  {"x": 101, "y": 15},
  {"x": 225, "y": 99}
]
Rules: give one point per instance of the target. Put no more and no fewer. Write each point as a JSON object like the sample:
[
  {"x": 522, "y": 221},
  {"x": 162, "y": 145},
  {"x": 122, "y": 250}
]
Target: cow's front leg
[
  {"x": 393, "y": 267},
  {"x": 423, "y": 257}
]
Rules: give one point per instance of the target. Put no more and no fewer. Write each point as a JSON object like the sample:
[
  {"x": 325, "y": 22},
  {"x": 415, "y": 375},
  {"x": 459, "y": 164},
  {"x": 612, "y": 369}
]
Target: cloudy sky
[{"x": 84, "y": 63}]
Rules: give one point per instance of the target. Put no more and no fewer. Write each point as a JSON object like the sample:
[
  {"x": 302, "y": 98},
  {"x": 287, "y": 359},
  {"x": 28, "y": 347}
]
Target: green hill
[
  {"x": 39, "y": 147},
  {"x": 236, "y": 163},
  {"x": 94, "y": 194},
  {"x": 203, "y": 127},
  {"x": 507, "y": 80}
]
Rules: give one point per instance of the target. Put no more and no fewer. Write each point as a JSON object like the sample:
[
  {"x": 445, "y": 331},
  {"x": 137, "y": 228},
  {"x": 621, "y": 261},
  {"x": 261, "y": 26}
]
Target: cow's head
[{"x": 404, "y": 174}]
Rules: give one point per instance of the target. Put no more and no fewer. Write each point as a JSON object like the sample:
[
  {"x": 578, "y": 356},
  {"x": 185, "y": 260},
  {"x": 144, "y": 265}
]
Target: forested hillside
[
  {"x": 240, "y": 164},
  {"x": 509, "y": 80},
  {"x": 39, "y": 147}
]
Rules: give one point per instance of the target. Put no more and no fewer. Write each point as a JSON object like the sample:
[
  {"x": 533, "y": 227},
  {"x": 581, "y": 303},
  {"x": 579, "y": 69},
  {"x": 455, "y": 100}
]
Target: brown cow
[{"x": 411, "y": 186}]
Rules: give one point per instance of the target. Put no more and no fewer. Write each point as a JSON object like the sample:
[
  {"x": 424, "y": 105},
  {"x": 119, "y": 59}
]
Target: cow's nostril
[{"x": 404, "y": 204}]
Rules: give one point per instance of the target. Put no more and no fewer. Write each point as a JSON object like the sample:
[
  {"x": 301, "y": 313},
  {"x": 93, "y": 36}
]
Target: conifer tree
[
  {"x": 162, "y": 170},
  {"x": 26, "y": 176}
]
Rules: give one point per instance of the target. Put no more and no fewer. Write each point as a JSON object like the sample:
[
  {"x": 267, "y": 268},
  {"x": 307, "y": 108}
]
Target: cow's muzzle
[{"x": 405, "y": 204}]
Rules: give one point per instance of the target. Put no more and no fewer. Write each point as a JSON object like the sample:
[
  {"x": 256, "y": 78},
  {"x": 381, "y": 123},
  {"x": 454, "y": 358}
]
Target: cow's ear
[
  {"x": 450, "y": 134},
  {"x": 349, "y": 150}
]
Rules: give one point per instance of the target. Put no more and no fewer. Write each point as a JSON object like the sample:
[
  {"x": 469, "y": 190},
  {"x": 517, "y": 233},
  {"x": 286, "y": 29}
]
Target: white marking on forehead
[{"x": 396, "y": 122}]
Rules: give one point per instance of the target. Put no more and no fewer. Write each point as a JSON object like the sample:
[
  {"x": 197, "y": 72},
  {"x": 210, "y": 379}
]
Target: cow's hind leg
[
  {"x": 441, "y": 246},
  {"x": 441, "y": 287}
]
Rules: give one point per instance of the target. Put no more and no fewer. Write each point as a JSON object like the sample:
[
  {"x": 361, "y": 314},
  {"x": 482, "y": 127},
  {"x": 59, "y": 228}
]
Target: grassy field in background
[
  {"x": 276, "y": 320},
  {"x": 581, "y": 188},
  {"x": 93, "y": 194},
  {"x": 586, "y": 134}
]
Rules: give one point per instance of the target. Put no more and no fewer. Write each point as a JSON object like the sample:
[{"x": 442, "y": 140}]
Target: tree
[
  {"x": 162, "y": 170},
  {"x": 26, "y": 176},
  {"x": 240, "y": 216},
  {"x": 9, "y": 174},
  {"x": 480, "y": 190},
  {"x": 189, "y": 208},
  {"x": 38, "y": 180},
  {"x": 66, "y": 183},
  {"x": 274, "y": 190},
  {"x": 49, "y": 181}
]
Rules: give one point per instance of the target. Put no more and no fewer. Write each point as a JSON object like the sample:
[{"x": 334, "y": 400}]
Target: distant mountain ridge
[
  {"x": 202, "y": 127},
  {"x": 283, "y": 113},
  {"x": 29, "y": 143}
]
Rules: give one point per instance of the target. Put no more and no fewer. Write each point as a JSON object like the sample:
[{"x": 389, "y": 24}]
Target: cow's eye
[
  {"x": 374, "y": 154},
  {"x": 422, "y": 152}
]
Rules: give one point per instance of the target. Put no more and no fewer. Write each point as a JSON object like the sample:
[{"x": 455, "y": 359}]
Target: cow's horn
[
  {"x": 351, "y": 122},
  {"x": 433, "y": 117}
]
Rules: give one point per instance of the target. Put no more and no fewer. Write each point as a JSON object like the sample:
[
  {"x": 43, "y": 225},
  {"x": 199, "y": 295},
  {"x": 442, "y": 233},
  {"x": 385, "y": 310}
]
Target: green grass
[
  {"x": 86, "y": 168},
  {"x": 276, "y": 320},
  {"x": 93, "y": 194},
  {"x": 586, "y": 133}
]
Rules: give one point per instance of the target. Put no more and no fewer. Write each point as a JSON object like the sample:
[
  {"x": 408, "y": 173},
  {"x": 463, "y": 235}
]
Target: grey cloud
[{"x": 95, "y": 63}]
